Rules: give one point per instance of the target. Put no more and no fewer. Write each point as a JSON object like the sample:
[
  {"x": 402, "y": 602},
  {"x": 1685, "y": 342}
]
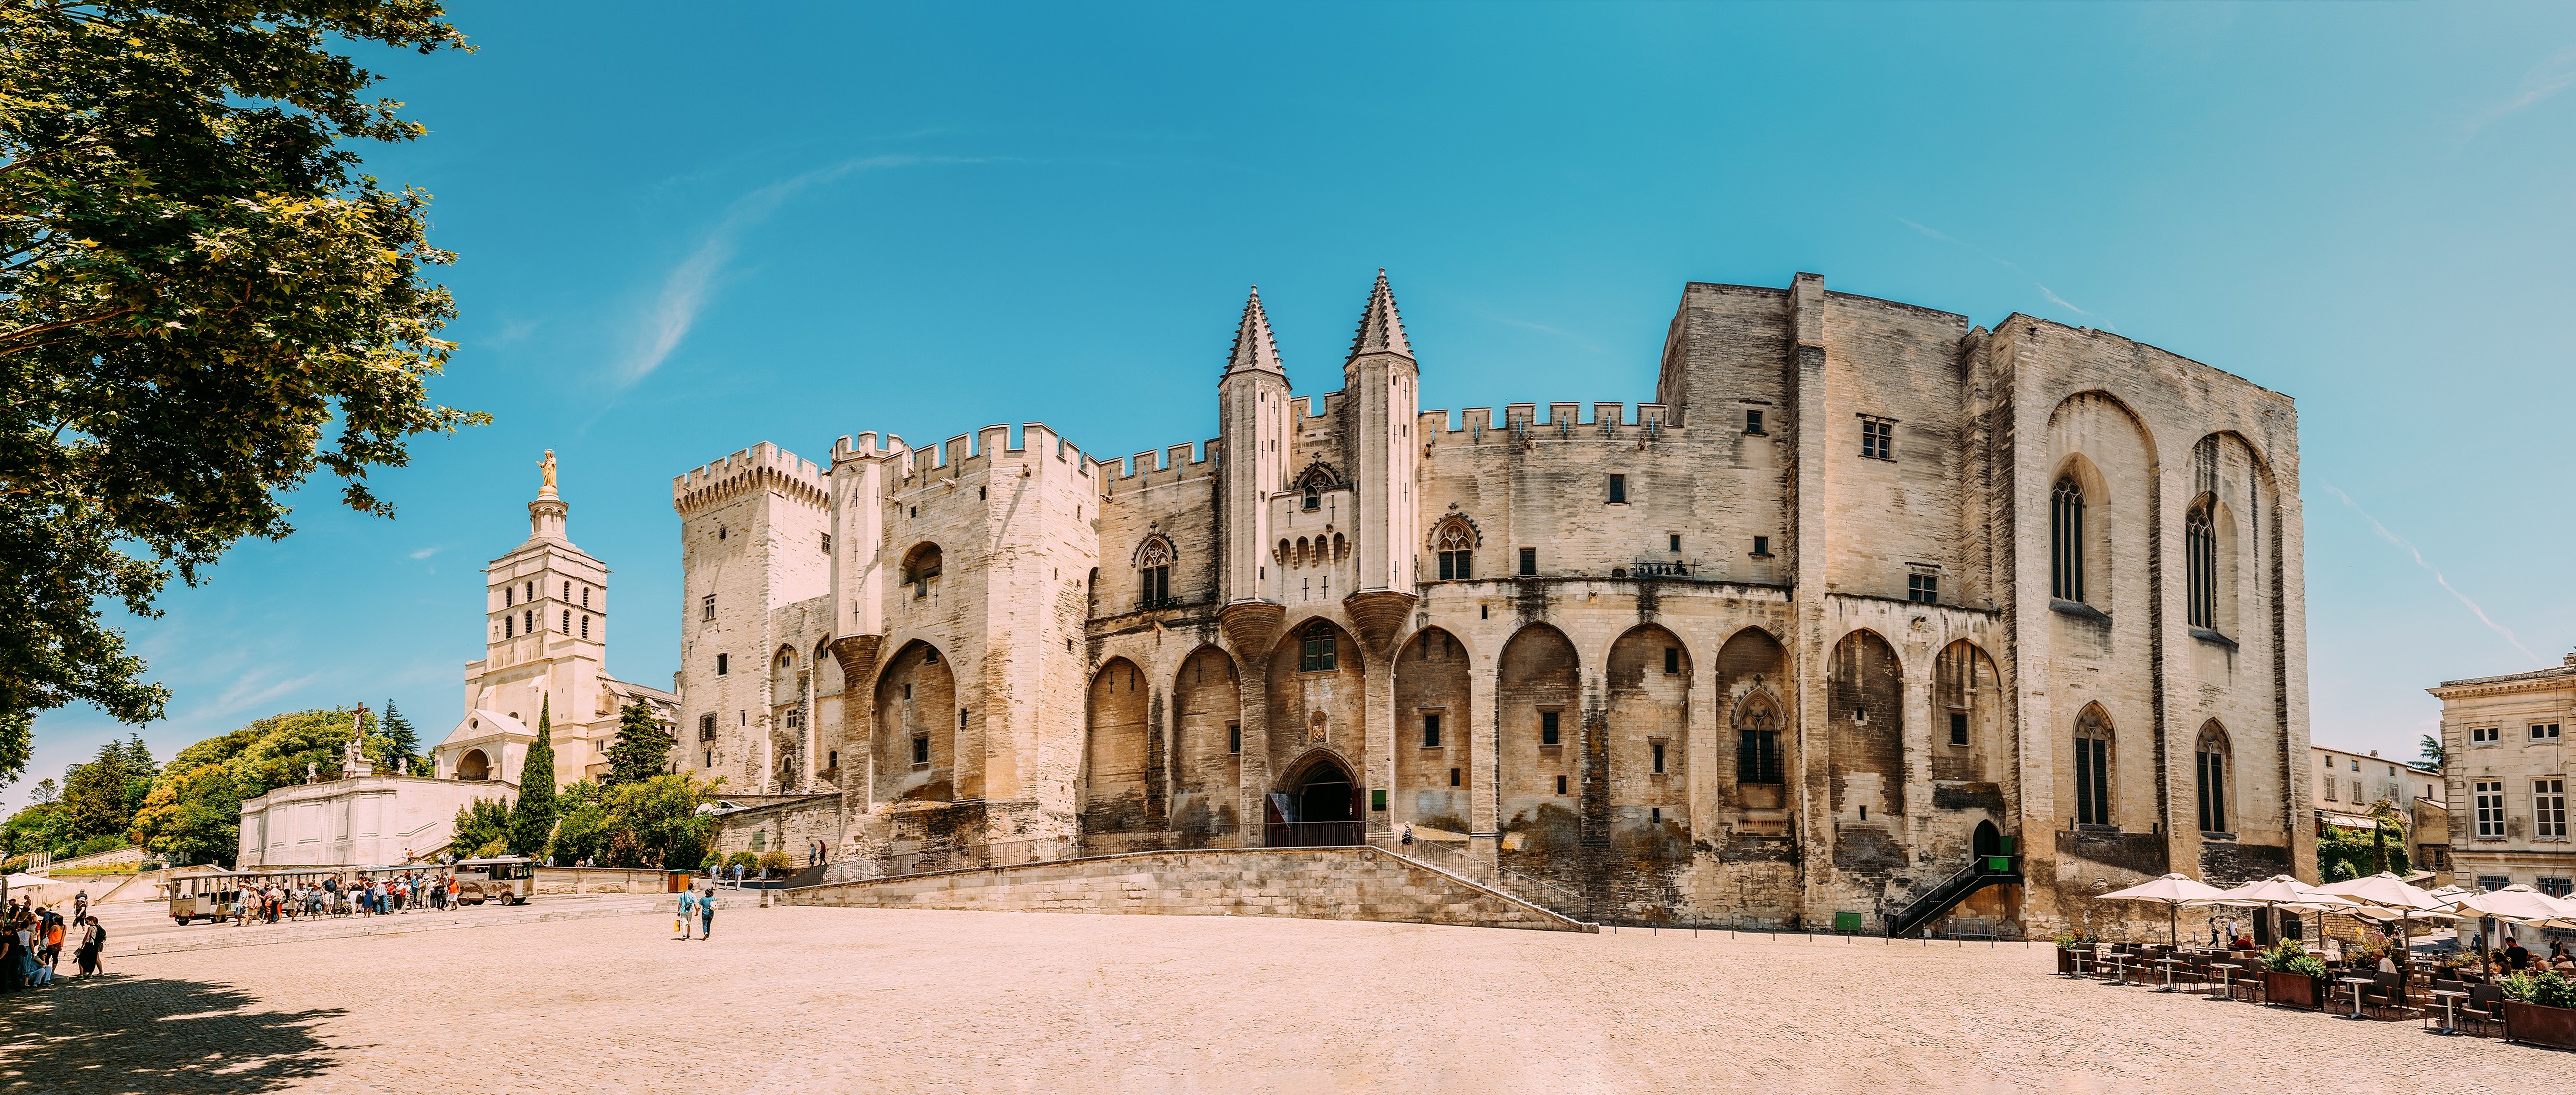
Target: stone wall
[
  {"x": 576, "y": 880},
  {"x": 1313, "y": 883}
]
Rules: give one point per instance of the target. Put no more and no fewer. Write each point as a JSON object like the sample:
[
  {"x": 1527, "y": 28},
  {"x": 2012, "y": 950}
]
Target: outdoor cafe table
[
  {"x": 2169, "y": 964},
  {"x": 2356, "y": 983},
  {"x": 2450, "y": 1025},
  {"x": 2225, "y": 970}
]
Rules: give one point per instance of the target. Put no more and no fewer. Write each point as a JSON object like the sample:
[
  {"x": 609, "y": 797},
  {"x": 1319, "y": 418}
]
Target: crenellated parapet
[
  {"x": 1564, "y": 421},
  {"x": 1152, "y": 469},
  {"x": 981, "y": 452},
  {"x": 761, "y": 467}
]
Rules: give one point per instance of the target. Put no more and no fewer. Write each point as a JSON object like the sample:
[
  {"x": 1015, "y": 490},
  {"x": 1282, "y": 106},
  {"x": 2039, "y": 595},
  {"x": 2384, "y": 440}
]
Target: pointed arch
[
  {"x": 1207, "y": 743},
  {"x": 1114, "y": 761},
  {"x": 2214, "y": 769},
  {"x": 921, "y": 566},
  {"x": 1435, "y": 727},
  {"x": 1865, "y": 713},
  {"x": 1153, "y": 561},
  {"x": 916, "y": 726},
  {"x": 1647, "y": 719},
  {"x": 1538, "y": 717},
  {"x": 1969, "y": 738},
  {"x": 2093, "y": 784},
  {"x": 1313, "y": 482},
  {"x": 1750, "y": 667},
  {"x": 1314, "y": 672},
  {"x": 1453, "y": 545}
]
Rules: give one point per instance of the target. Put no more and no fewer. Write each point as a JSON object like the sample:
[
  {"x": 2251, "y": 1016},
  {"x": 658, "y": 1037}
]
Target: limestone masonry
[{"x": 1860, "y": 591}]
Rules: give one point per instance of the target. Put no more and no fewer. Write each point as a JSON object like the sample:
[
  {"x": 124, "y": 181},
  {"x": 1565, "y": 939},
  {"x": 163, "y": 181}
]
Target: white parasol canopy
[
  {"x": 2280, "y": 889},
  {"x": 2173, "y": 891},
  {"x": 2387, "y": 891},
  {"x": 2521, "y": 904}
]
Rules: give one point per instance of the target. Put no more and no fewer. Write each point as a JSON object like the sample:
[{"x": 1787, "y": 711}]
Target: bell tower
[{"x": 545, "y": 606}]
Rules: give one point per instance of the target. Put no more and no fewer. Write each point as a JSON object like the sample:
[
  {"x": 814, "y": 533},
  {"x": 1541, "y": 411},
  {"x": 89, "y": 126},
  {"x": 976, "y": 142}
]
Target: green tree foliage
[
  {"x": 584, "y": 828},
  {"x": 532, "y": 821},
  {"x": 43, "y": 827},
  {"x": 192, "y": 812},
  {"x": 402, "y": 743},
  {"x": 2362, "y": 852},
  {"x": 46, "y": 791},
  {"x": 656, "y": 823},
  {"x": 196, "y": 283},
  {"x": 2432, "y": 752},
  {"x": 101, "y": 796},
  {"x": 642, "y": 749},
  {"x": 482, "y": 828}
]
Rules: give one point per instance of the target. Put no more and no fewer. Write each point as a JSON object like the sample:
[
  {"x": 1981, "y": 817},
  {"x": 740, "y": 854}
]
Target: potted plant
[
  {"x": 2540, "y": 1009},
  {"x": 2292, "y": 976},
  {"x": 2070, "y": 941}
]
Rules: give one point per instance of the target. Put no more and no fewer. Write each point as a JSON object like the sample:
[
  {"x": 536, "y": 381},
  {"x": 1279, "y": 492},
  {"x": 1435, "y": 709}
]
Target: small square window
[
  {"x": 724, "y": 664},
  {"x": 1753, "y": 420},
  {"x": 1923, "y": 589},
  {"x": 1672, "y": 659},
  {"x": 2544, "y": 731},
  {"x": 1877, "y": 439},
  {"x": 1430, "y": 730},
  {"x": 1547, "y": 734},
  {"x": 921, "y": 748},
  {"x": 827, "y": 544},
  {"x": 2482, "y": 735},
  {"x": 1658, "y": 748},
  {"x": 1958, "y": 728},
  {"x": 707, "y": 608},
  {"x": 1560, "y": 785},
  {"x": 1618, "y": 489},
  {"x": 1762, "y": 547},
  {"x": 1529, "y": 562},
  {"x": 1675, "y": 541},
  {"x": 1453, "y": 777}
]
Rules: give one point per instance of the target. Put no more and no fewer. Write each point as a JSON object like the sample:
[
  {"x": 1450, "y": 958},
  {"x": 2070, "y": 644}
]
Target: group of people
[
  {"x": 330, "y": 897},
  {"x": 32, "y": 941},
  {"x": 699, "y": 906},
  {"x": 2513, "y": 957}
]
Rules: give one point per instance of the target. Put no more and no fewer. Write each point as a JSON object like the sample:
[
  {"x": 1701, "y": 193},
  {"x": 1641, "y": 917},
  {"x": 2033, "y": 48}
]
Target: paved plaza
[{"x": 815, "y": 1000}]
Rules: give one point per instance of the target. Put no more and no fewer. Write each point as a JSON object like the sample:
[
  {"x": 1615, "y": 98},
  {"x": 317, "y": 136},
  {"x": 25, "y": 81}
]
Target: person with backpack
[
  {"x": 707, "y": 915},
  {"x": 688, "y": 908}
]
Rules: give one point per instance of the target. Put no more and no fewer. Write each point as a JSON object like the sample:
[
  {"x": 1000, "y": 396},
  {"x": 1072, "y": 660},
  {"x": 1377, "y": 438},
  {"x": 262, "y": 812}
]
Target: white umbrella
[
  {"x": 2281, "y": 891},
  {"x": 2392, "y": 895},
  {"x": 2173, "y": 891},
  {"x": 2521, "y": 904}
]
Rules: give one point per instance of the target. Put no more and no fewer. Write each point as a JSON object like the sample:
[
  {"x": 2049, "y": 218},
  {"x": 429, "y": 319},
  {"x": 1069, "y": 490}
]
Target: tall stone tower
[
  {"x": 1381, "y": 385},
  {"x": 546, "y": 637}
]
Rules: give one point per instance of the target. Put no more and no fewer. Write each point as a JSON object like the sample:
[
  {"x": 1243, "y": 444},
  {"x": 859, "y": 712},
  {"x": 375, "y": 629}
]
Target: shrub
[
  {"x": 744, "y": 860},
  {"x": 2548, "y": 990},
  {"x": 2287, "y": 956},
  {"x": 777, "y": 862}
]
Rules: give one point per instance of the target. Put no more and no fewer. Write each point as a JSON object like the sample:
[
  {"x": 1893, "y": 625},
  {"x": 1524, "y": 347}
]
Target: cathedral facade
[{"x": 1862, "y": 591}]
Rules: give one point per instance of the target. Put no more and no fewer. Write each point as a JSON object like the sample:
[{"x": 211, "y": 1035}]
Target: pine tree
[
  {"x": 405, "y": 741},
  {"x": 533, "y": 821},
  {"x": 642, "y": 749}
]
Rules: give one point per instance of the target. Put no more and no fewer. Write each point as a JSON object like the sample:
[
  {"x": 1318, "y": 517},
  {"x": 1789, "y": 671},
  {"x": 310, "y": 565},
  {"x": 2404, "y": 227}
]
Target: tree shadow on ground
[{"x": 116, "y": 1034}]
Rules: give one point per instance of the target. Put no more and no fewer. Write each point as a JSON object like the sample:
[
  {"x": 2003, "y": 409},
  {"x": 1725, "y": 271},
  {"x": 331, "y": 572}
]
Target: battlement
[
  {"x": 977, "y": 453},
  {"x": 1153, "y": 469},
  {"x": 1303, "y": 407},
  {"x": 1564, "y": 420},
  {"x": 761, "y": 466}
]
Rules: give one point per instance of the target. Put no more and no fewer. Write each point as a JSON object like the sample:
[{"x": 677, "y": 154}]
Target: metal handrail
[{"x": 1508, "y": 879}]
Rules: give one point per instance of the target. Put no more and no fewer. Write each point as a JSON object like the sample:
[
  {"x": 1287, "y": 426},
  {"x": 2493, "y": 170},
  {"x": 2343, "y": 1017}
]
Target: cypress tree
[
  {"x": 398, "y": 730},
  {"x": 642, "y": 748},
  {"x": 534, "y": 819}
]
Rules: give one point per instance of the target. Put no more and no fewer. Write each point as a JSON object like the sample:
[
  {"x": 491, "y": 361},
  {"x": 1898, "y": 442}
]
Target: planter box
[
  {"x": 2293, "y": 990},
  {"x": 2540, "y": 1026},
  {"x": 2065, "y": 961}
]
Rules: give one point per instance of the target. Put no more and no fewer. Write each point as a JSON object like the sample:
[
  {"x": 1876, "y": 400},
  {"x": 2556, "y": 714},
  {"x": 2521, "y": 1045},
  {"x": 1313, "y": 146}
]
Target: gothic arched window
[
  {"x": 2211, "y": 755},
  {"x": 2092, "y": 768},
  {"x": 1154, "y": 573},
  {"x": 2200, "y": 561},
  {"x": 1757, "y": 741},
  {"x": 1313, "y": 482},
  {"x": 1456, "y": 545},
  {"x": 2066, "y": 541},
  {"x": 920, "y": 566}
]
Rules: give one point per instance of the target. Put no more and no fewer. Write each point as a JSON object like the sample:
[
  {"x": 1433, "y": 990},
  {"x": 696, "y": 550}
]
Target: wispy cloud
[
  {"x": 2544, "y": 80},
  {"x": 2008, "y": 264},
  {"x": 426, "y": 552},
  {"x": 253, "y": 689},
  {"x": 2435, "y": 571},
  {"x": 686, "y": 288}
]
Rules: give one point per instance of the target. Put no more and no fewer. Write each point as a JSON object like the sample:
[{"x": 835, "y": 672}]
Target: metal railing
[
  {"x": 1454, "y": 858},
  {"x": 1659, "y": 568},
  {"x": 1315, "y": 834}
]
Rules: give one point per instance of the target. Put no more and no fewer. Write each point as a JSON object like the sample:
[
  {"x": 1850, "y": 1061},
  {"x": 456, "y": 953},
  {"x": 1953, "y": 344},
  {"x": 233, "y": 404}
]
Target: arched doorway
[
  {"x": 473, "y": 767},
  {"x": 1987, "y": 840},
  {"x": 1318, "y": 806}
]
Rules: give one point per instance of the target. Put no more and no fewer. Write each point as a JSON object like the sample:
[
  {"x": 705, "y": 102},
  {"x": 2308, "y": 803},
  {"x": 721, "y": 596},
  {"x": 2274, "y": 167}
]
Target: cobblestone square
[{"x": 827, "y": 1000}]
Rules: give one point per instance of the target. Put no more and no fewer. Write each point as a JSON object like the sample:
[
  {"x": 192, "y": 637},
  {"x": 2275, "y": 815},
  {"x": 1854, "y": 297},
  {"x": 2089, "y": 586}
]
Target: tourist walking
[
  {"x": 688, "y": 909},
  {"x": 707, "y": 915}
]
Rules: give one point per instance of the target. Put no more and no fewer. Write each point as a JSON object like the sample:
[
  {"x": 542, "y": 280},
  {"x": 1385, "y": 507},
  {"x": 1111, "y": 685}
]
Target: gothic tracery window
[
  {"x": 1456, "y": 546},
  {"x": 2211, "y": 757},
  {"x": 2092, "y": 768},
  {"x": 2200, "y": 561},
  {"x": 1757, "y": 742},
  {"x": 1154, "y": 573},
  {"x": 2066, "y": 541}
]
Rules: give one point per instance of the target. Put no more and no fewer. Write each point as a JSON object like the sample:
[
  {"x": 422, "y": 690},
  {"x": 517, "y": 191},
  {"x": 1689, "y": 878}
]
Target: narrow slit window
[
  {"x": 1547, "y": 732},
  {"x": 1618, "y": 489}
]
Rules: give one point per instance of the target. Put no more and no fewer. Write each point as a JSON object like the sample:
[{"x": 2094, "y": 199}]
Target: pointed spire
[
  {"x": 1254, "y": 348},
  {"x": 1381, "y": 330}
]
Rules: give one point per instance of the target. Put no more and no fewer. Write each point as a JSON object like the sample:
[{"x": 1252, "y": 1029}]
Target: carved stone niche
[
  {"x": 1379, "y": 614},
  {"x": 1250, "y": 626}
]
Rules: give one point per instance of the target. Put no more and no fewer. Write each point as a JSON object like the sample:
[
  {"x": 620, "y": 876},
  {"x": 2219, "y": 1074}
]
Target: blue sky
[{"x": 683, "y": 233}]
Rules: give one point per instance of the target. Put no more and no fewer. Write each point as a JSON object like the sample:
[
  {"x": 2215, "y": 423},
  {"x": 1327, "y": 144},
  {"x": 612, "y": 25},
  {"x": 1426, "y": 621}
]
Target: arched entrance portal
[
  {"x": 473, "y": 767},
  {"x": 1318, "y": 806},
  {"x": 1987, "y": 840}
]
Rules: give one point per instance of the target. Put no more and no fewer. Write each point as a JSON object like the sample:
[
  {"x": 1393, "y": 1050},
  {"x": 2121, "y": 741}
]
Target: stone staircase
[{"x": 1338, "y": 883}]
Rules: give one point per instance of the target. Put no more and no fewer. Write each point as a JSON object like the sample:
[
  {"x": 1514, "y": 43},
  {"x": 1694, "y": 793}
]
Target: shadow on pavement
[{"x": 125, "y": 1034}]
